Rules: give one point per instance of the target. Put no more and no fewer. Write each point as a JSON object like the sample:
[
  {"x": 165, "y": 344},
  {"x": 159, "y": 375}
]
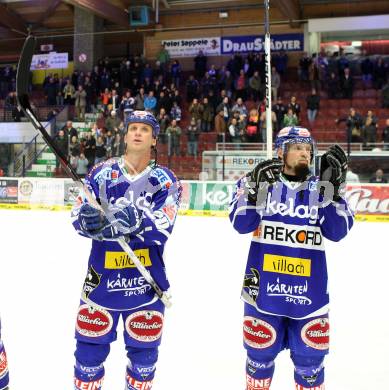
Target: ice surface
[{"x": 43, "y": 265}]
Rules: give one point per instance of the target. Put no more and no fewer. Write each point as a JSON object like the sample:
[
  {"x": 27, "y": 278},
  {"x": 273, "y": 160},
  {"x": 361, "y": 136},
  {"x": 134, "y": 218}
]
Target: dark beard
[{"x": 302, "y": 171}]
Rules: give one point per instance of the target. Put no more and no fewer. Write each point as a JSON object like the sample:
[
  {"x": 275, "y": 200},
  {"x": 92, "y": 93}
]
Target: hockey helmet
[
  {"x": 143, "y": 117},
  {"x": 294, "y": 135}
]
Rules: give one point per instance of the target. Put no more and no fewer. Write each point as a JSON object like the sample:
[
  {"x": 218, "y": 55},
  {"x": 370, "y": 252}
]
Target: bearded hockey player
[
  {"x": 289, "y": 212},
  {"x": 140, "y": 201}
]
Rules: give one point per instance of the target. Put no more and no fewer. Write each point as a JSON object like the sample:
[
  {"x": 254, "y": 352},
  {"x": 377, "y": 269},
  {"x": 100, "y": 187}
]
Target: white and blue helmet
[
  {"x": 143, "y": 117},
  {"x": 294, "y": 135}
]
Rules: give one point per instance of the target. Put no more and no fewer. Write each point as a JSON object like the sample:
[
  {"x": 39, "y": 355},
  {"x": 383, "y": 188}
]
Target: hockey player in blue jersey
[
  {"x": 141, "y": 201},
  {"x": 4, "y": 376},
  {"x": 289, "y": 212}
]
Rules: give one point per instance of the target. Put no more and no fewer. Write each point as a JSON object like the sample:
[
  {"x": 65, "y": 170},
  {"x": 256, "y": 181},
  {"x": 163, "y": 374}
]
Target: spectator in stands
[
  {"x": 378, "y": 177},
  {"x": 139, "y": 100},
  {"x": 175, "y": 112},
  {"x": 290, "y": 118},
  {"x": 207, "y": 116},
  {"x": 175, "y": 72},
  {"x": 332, "y": 86},
  {"x": 69, "y": 130},
  {"x": 351, "y": 177},
  {"x": 90, "y": 149},
  {"x": 177, "y": 98},
  {"x": 229, "y": 84},
  {"x": 255, "y": 87},
  {"x": 235, "y": 132},
  {"x": 59, "y": 99},
  {"x": 385, "y": 135},
  {"x": 82, "y": 165},
  {"x": 74, "y": 147},
  {"x": 296, "y": 108},
  {"x": 108, "y": 141},
  {"x": 196, "y": 111},
  {"x": 163, "y": 120},
  {"x": 101, "y": 151},
  {"x": 150, "y": 102},
  {"x": 112, "y": 121},
  {"x": 369, "y": 129},
  {"x": 367, "y": 69},
  {"x": 62, "y": 143},
  {"x": 164, "y": 58},
  {"x": 192, "y": 133},
  {"x": 17, "y": 113},
  {"x": 380, "y": 73},
  {"x": 127, "y": 104},
  {"x": 354, "y": 124},
  {"x": 192, "y": 89},
  {"x": 105, "y": 96},
  {"x": 347, "y": 84},
  {"x": 252, "y": 126},
  {"x": 163, "y": 102},
  {"x": 50, "y": 90},
  {"x": 174, "y": 132},
  {"x": 275, "y": 82},
  {"x": 51, "y": 115},
  {"x": 200, "y": 62},
  {"x": 313, "y": 73},
  {"x": 241, "y": 85},
  {"x": 240, "y": 107},
  {"x": 280, "y": 110},
  {"x": 263, "y": 124},
  {"x": 114, "y": 101},
  {"x": 117, "y": 147},
  {"x": 303, "y": 70},
  {"x": 313, "y": 105},
  {"x": 220, "y": 126},
  {"x": 225, "y": 106},
  {"x": 80, "y": 103},
  {"x": 68, "y": 92}
]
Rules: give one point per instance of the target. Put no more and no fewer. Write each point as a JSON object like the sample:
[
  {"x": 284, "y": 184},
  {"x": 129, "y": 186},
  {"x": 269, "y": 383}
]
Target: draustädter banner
[
  {"x": 370, "y": 202},
  {"x": 256, "y": 43}
]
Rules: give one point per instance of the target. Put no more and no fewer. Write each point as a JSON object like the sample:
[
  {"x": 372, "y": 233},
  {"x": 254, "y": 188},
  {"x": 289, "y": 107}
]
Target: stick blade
[{"x": 23, "y": 72}]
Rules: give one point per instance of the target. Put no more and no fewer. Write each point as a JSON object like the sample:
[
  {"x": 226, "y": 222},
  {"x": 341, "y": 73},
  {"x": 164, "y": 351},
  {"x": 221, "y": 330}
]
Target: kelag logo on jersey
[{"x": 289, "y": 208}]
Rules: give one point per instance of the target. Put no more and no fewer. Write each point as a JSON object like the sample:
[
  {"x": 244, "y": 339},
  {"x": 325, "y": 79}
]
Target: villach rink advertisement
[{"x": 370, "y": 202}]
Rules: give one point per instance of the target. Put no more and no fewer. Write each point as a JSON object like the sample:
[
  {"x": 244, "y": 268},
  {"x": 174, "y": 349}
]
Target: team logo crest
[{"x": 251, "y": 283}]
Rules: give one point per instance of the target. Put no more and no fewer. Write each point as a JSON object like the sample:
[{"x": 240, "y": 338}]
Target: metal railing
[{"x": 354, "y": 147}]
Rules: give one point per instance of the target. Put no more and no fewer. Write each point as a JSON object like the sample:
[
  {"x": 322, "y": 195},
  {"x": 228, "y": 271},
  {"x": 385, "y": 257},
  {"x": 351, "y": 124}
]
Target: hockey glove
[
  {"x": 333, "y": 168},
  {"x": 126, "y": 220},
  {"x": 120, "y": 222},
  {"x": 264, "y": 174}
]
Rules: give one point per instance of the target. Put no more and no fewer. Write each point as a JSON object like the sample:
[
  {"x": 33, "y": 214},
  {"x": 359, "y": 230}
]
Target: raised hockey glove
[
  {"x": 126, "y": 220},
  {"x": 264, "y": 174},
  {"x": 333, "y": 168},
  {"x": 121, "y": 221}
]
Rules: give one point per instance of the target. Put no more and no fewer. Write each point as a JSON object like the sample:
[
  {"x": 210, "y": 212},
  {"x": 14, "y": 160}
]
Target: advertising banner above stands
[
  {"x": 191, "y": 47},
  {"x": 256, "y": 43},
  {"x": 50, "y": 61},
  {"x": 204, "y": 198}
]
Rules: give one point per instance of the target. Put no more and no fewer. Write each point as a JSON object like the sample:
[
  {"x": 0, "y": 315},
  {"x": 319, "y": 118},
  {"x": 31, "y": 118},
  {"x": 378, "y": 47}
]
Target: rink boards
[{"x": 370, "y": 202}]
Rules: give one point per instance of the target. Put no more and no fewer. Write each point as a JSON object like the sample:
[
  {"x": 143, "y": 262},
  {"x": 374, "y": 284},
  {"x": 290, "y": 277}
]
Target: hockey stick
[
  {"x": 22, "y": 80},
  {"x": 269, "y": 127}
]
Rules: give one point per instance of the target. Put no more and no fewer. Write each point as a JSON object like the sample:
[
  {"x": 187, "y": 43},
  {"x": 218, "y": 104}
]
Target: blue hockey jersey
[
  {"x": 112, "y": 280},
  {"x": 286, "y": 272}
]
